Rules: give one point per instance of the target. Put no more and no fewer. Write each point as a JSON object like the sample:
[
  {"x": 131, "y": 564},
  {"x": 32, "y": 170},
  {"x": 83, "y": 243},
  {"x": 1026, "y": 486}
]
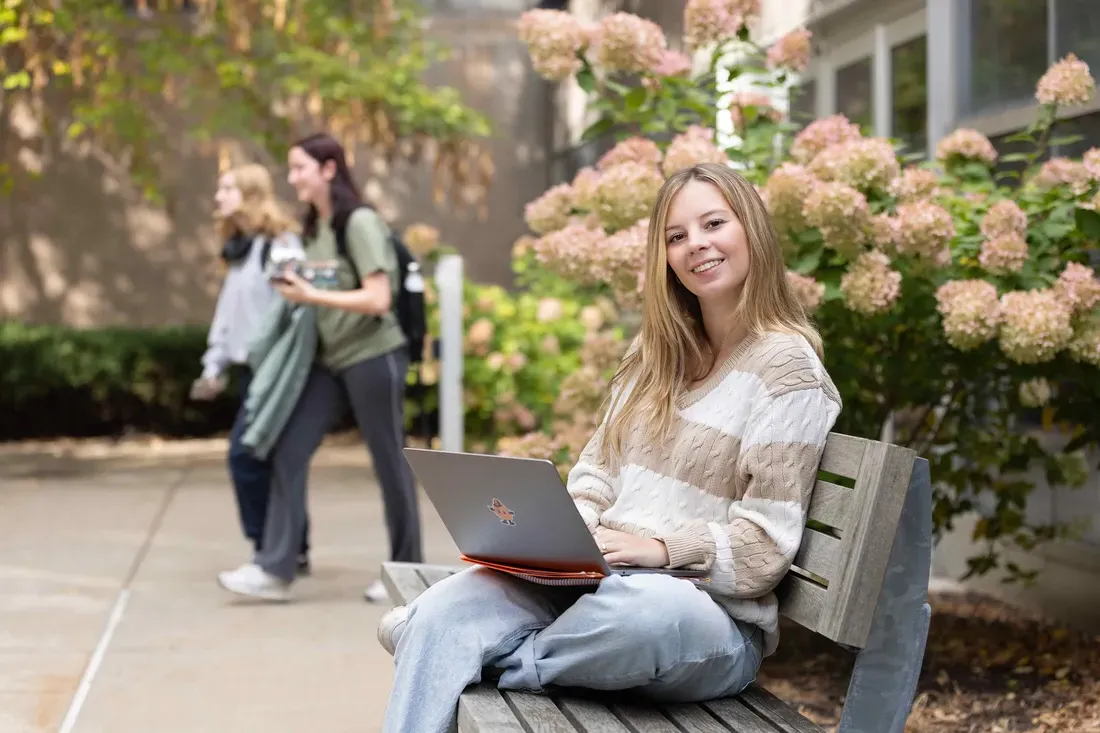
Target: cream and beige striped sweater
[{"x": 729, "y": 488}]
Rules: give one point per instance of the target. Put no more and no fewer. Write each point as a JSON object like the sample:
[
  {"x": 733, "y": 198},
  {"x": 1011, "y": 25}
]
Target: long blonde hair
[
  {"x": 259, "y": 212},
  {"x": 669, "y": 351}
]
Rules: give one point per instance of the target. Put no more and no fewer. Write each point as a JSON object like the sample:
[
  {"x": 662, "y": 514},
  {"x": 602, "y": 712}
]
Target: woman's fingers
[{"x": 618, "y": 558}]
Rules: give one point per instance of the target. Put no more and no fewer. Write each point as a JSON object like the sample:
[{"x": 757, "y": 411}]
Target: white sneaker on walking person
[
  {"x": 253, "y": 581},
  {"x": 376, "y": 593}
]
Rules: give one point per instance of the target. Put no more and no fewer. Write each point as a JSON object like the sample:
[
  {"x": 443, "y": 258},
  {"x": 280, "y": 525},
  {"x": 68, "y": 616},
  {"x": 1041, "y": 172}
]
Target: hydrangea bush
[{"x": 958, "y": 305}]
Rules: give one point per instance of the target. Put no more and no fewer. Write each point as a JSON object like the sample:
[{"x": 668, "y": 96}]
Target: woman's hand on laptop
[{"x": 622, "y": 548}]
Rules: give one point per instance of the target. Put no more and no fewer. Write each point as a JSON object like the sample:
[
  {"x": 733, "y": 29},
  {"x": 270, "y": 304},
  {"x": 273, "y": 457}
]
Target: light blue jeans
[{"x": 655, "y": 635}]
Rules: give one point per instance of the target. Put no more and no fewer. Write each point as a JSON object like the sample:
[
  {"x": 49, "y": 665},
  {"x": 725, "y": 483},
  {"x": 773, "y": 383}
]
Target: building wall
[{"x": 79, "y": 247}]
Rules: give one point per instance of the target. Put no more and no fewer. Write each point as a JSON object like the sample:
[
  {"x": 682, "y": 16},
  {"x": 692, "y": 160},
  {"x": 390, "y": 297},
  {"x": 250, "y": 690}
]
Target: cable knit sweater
[{"x": 729, "y": 488}]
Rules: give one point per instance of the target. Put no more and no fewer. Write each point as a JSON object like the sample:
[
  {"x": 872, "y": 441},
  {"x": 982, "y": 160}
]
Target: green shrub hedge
[{"x": 58, "y": 381}]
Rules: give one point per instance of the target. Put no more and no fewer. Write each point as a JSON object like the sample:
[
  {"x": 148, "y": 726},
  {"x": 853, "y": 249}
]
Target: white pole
[{"x": 448, "y": 279}]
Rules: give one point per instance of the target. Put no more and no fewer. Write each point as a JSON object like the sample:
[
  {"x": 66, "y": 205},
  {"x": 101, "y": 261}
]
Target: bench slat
[
  {"x": 777, "y": 712},
  {"x": 843, "y": 454},
  {"x": 829, "y": 504},
  {"x": 801, "y": 600},
  {"x": 644, "y": 720},
  {"x": 693, "y": 719},
  {"x": 818, "y": 553},
  {"x": 402, "y": 582},
  {"x": 590, "y": 716},
  {"x": 432, "y": 574},
  {"x": 538, "y": 713},
  {"x": 733, "y": 713},
  {"x": 481, "y": 709},
  {"x": 879, "y": 495}
]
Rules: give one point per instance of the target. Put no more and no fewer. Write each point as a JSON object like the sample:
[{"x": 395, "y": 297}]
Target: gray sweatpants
[{"x": 375, "y": 391}]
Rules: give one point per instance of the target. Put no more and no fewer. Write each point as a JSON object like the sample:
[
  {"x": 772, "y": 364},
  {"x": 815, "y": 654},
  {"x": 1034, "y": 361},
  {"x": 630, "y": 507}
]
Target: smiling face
[
  {"x": 228, "y": 197},
  {"x": 706, "y": 245},
  {"x": 310, "y": 179}
]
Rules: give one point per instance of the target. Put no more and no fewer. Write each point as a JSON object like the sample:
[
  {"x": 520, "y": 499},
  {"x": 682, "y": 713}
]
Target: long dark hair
[{"x": 344, "y": 191}]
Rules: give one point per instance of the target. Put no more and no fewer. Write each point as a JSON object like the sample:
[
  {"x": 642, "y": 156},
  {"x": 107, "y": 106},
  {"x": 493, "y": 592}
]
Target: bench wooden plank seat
[{"x": 860, "y": 579}]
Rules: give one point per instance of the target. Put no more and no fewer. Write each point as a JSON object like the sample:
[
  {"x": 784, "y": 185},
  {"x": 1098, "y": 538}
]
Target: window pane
[
  {"x": 910, "y": 69},
  {"x": 1087, "y": 126},
  {"x": 1008, "y": 52},
  {"x": 803, "y": 102},
  {"x": 1077, "y": 25},
  {"x": 853, "y": 94}
]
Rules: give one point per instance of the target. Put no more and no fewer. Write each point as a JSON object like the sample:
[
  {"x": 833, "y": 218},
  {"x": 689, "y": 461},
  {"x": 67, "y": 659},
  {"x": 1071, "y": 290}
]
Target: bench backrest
[{"x": 834, "y": 584}]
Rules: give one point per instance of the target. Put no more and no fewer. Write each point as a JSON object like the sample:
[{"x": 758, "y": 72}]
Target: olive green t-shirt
[{"x": 348, "y": 338}]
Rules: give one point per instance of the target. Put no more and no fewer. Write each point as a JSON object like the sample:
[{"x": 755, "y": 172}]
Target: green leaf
[
  {"x": 808, "y": 262},
  {"x": 1088, "y": 221},
  {"x": 597, "y": 129},
  {"x": 12, "y": 35},
  {"x": 18, "y": 80},
  {"x": 634, "y": 99},
  {"x": 586, "y": 79}
]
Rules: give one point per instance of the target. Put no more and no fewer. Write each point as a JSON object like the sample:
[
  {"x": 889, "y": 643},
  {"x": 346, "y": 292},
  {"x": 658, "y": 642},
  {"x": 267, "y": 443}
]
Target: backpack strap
[
  {"x": 340, "y": 230},
  {"x": 265, "y": 253}
]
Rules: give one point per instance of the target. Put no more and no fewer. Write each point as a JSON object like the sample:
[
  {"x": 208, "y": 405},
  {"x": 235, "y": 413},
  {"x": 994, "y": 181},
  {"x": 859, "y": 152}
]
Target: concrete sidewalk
[{"x": 111, "y": 620}]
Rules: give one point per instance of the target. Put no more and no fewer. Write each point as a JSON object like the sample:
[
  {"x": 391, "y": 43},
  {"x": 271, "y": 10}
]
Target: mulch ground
[{"x": 989, "y": 668}]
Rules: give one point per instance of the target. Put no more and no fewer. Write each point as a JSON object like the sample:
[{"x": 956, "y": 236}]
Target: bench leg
[{"x": 884, "y": 682}]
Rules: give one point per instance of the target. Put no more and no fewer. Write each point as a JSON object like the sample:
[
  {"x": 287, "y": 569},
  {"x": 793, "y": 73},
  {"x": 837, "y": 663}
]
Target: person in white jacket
[{"x": 255, "y": 232}]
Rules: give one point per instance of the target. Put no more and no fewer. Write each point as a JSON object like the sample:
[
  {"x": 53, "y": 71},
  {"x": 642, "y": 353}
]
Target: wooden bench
[{"x": 860, "y": 579}]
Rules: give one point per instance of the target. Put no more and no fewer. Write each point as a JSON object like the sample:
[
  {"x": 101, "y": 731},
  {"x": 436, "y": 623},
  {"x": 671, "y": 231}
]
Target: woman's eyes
[{"x": 712, "y": 224}]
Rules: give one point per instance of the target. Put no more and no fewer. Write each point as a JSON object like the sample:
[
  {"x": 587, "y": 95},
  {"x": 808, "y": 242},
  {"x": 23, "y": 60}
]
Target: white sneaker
[
  {"x": 253, "y": 581},
  {"x": 391, "y": 626},
  {"x": 376, "y": 593}
]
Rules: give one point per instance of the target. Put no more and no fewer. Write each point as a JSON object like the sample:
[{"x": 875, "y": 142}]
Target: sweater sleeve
[
  {"x": 778, "y": 462},
  {"x": 591, "y": 483}
]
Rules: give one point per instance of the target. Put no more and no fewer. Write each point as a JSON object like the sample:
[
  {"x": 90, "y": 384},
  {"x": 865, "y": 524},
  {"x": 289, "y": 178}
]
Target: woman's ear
[{"x": 328, "y": 170}]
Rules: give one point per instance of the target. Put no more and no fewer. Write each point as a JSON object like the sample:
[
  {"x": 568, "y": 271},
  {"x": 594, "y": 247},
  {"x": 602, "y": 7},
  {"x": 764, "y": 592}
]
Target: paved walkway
[{"x": 111, "y": 621}]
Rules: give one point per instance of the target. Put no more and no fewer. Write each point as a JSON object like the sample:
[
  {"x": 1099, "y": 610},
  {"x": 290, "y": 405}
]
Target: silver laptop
[{"x": 513, "y": 511}]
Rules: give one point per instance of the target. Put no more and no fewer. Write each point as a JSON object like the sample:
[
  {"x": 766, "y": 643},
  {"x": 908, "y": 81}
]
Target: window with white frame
[
  {"x": 1006, "y": 45},
  {"x": 879, "y": 80}
]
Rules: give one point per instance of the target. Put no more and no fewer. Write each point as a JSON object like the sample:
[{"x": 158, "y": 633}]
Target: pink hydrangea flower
[
  {"x": 884, "y": 232},
  {"x": 808, "y": 291},
  {"x": 567, "y": 252},
  {"x": 1003, "y": 254},
  {"x": 693, "y": 146},
  {"x": 1091, "y": 161},
  {"x": 672, "y": 63},
  {"x": 710, "y": 21},
  {"x": 870, "y": 286},
  {"x": 925, "y": 230},
  {"x": 551, "y": 211},
  {"x": 634, "y": 150},
  {"x": 762, "y": 104},
  {"x": 625, "y": 193},
  {"x": 1004, "y": 217},
  {"x": 1035, "y": 392},
  {"x": 968, "y": 145},
  {"x": 584, "y": 187},
  {"x": 821, "y": 134},
  {"x": 555, "y": 40},
  {"x": 914, "y": 184},
  {"x": 1066, "y": 83},
  {"x": 786, "y": 192},
  {"x": 866, "y": 163},
  {"x": 621, "y": 258},
  {"x": 1064, "y": 172},
  {"x": 971, "y": 312},
  {"x": 842, "y": 214},
  {"x": 1036, "y": 326},
  {"x": 1078, "y": 287},
  {"x": 792, "y": 51},
  {"x": 626, "y": 42},
  {"x": 1085, "y": 345}
]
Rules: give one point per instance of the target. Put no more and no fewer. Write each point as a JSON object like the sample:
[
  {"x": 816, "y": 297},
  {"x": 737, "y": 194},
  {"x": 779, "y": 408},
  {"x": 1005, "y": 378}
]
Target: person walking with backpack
[
  {"x": 361, "y": 362},
  {"x": 252, "y": 226}
]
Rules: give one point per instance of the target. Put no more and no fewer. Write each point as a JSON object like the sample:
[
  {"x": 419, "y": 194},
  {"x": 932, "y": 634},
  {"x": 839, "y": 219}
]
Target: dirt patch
[{"x": 989, "y": 667}]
